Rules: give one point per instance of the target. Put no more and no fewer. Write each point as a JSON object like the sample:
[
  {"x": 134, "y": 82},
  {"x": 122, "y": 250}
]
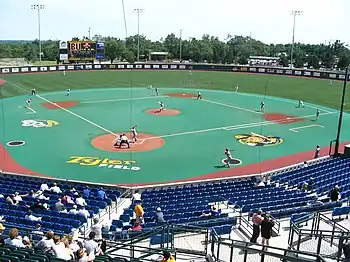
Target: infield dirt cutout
[
  {"x": 145, "y": 142},
  {"x": 164, "y": 112},
  {"x": 60, "y": 104},
  {"x": 2, "y": 82},
  {"x": 282, "y": 118},
  {"x": 182, "y": 95}
]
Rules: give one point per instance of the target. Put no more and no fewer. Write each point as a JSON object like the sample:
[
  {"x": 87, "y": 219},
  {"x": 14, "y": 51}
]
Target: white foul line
[
  {"x": 301, "y": 127},
  {"x": 232, "y": 106},
  {"x": 33, "y": 111},
  {"x": 234, "y": 127},
  {"x": 68, "y": 111},
  {"x": 122, "y": 99}
]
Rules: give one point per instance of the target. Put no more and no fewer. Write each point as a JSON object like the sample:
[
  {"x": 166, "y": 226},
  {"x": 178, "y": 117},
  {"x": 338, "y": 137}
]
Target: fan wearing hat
[
  {"x": 167, "y": 257},
  {"x": 159, "y": 218},
  {"x": 2, "y": 228}
]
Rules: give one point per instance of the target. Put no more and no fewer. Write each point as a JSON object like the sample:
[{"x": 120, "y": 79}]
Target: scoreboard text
[{"x": 81, "y": 50}]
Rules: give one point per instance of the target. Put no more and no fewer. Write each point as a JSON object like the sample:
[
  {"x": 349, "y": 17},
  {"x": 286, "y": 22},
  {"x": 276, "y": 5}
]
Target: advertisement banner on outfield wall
[{"x": 202, "y": 67}]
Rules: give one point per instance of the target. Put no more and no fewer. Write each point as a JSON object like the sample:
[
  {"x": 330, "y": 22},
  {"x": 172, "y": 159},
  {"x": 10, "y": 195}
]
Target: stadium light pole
[
  {"x": 294, "y": 13},
  {"x": 138, "y": 11},
  {"x": 337, "y": 142},
  {"x": 39, "y": 8},
  {"x": 180, "y": 45}
]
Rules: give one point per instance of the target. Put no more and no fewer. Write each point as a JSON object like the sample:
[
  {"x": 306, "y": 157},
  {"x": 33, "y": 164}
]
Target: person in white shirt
[
  {"x": 55, "y": 189},
  {"x": 136, "y": 196},
  {"x": 74, "y": 210},
  {"x": 31, "y": 217},
  {"x": 18, "y": 197},
  {"x": 37, "y": 230},
  {"x": 46, "y": 242},
  {"x": 97, "y": 229},
  {"x": 84, "y": 212},
  {"x": 59, "y": 249},
  {"x": 80, "y": 201},
  {"x": 13, "y": 239},
  {"x": 44, "y": 187}
]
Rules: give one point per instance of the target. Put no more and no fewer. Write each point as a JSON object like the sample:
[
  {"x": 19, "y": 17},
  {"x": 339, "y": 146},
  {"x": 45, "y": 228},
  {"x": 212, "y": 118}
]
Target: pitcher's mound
[
  {"x": 182, "y": 95},
  {"x": 164, "y": 112},
  {"x": 61, "y": 104},
  {"x": 282, "y": 118},
  {"x": 145, "y": 142},
  {"x": 2, "y": 82}
]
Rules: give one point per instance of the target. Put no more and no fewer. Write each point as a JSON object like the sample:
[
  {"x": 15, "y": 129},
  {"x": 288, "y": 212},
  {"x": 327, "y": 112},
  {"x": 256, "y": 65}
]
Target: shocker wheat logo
[
  {"x": 39, "y": 123},
  {"x": 254, "y": 139}
]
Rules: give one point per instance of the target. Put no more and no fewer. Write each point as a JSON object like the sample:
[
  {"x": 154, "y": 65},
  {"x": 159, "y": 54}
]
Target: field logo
[
  {"x": 254, "y": 139},
  {"x": 39, "y": 123},
  {"x": 104, "y": 162}
]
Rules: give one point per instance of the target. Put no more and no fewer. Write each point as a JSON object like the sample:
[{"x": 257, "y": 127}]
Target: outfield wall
[{"x": 332, "y": 75}]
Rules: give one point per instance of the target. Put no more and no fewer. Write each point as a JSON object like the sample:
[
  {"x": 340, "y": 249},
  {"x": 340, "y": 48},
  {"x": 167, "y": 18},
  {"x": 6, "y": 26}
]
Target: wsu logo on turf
[
  {"x": 254, "y": 139},
  {"x": 39, "y": 123},
  {"x": 104, "y": 162}
]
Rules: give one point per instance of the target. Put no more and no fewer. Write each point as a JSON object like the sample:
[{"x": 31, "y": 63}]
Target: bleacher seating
[
  {"x": 326, "y": 174},
  {"x": 60, "y": 222}
]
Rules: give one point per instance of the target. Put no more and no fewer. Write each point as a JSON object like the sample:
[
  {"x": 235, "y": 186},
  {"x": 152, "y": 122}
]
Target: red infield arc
[
  {"x": 164, "y": 112},
  {"x": 182, "y": 95},
  {"x": 282, "y": 118},
  {"x": 145, "y": 142},
  {"x": 60, "y": 104},
  {"x": 2, "y": 82}
]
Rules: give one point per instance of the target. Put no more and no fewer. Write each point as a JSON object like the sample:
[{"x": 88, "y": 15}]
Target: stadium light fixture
[
  {"x": 38, "y": 8},
  {"x": 295, "y": 13},
  {"x": 337, "y": 142},
  {"x": 138, "y": 11}
]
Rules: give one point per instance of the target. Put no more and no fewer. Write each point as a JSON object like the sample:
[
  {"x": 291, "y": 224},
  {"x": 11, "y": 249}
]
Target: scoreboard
[{"x": 86, "y": 50}]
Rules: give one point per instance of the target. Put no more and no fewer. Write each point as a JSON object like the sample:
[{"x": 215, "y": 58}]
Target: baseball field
[{"x": 72, "y": 136}]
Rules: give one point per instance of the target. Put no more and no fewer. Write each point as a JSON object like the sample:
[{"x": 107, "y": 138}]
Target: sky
[{"x": 270, "y": 21}]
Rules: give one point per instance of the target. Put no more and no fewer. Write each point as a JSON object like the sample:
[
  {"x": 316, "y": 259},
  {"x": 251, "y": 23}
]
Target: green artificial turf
[{"x": 316, "y": 91}]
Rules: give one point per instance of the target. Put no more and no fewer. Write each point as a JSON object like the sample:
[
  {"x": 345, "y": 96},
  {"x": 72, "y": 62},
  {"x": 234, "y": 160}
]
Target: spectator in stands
[
  {"x": 55, "y": 189},
  {"x": 86, "y": 192},
  {"x": 91, "y": 246},
  {"x": 167, "y": 257},
  {"x": 14, "y": 239},
  {"x": 37, "y": 230},
  {"x": 72, "y": 191},
  {"x": 159, "y": 218},
  {"x": 31, "y": 217},
  {"x": 334, "y": 194},
  {"x": 84, "y": 212},
  {"x": 11, "y": 200},
  {"x": 136, "y": 226},
  {"x": 2, "y": 228},
  {"x": 266, "y": 231},
  {"x": 80, "y": 201},
  {"x": 136, "y": 197},
  {"x": 59, "y": 206},
  {"x": 305, "y": 186},
  {"x": 311, "y": 183},
  {"x": 213, "y": 212},
  {"x": 97, "y": 228},
  {"x": 74, "y": 210},
  {"x": 41, "y": 196},
  {"x": 44, "y": 187},
  {"x": 317, "y": 151},
  {"x": 139, "y": 212},
  {"x": 256, "y": 219},
  {"x": 37, "y": 207},
  {"x": 18, "y": 197},
  {"x": 101, "y": 194},
  {"x": 305, "y": 164},
  {"x": 82, "y": 256},
  {"x": 47, "y": 241},
  {"x": 59, "y": 249},
  {"x": 73, "y": 245}
]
